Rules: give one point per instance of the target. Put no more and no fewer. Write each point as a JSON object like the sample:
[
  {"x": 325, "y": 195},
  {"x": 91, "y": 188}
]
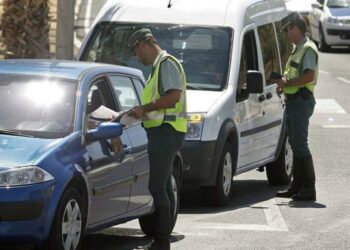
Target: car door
[
  {"x": 249, "y": 108},
  {"x": 128, "y": 97},
  {"x": 111, "y": 174},
  {"x": 272, "y": 104}
]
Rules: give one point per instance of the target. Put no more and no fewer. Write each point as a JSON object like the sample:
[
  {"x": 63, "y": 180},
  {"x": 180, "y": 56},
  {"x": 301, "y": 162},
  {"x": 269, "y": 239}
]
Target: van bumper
[{"x": 198, "y": 163}]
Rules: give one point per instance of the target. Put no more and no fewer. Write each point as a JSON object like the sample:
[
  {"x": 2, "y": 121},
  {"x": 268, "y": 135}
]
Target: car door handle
[
  {"x": 126, "y": 149},
  {"x": 269, "y": 95},
  {"x": 261, "y": 98}
]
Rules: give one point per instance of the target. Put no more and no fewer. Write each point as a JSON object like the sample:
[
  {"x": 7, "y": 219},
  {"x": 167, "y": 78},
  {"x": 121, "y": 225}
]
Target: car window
[
  {"x": 37, "y": 105},
  {"x": 338, "y": 3},
  {"x": 100, "y": 98},
  {"x": 249, "y": 61},
  {"x": 139, "y": 86},
  {"x": 124, "y": 92},
  {"x": 269, "y": 51}
]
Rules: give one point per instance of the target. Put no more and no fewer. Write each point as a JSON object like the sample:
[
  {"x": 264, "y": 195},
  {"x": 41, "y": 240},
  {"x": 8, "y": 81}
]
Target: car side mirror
[
  {"x": 105, "y": 130},
  {"x": 255, "y": 82}
]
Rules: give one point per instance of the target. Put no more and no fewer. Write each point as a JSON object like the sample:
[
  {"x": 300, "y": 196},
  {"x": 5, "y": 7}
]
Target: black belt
[{"x": 304, "y": 92}]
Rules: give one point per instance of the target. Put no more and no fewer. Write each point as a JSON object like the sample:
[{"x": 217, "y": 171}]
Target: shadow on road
[
  {"x": 245, "y": 193},
  {"x": 335, "y": 50},
  {"x": 121, "y": 238}
]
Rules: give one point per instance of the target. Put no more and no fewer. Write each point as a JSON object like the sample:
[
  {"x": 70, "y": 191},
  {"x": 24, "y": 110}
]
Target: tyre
[
  {"x": 146, "y": 222},
  {"x": 67, "y": 227},
  {"x": 322, "y": 45},
  {"x": 280, "y": 172},
  {"x": 221, "y": 192}
]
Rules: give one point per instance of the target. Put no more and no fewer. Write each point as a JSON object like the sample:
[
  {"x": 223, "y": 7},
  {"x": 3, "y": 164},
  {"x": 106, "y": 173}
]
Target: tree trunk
[{"x": 25, "y": 28}]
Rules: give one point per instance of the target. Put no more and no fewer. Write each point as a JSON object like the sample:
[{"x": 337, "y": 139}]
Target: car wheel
[
  {"x": 280, "y": 172},
  {"x": 221, "y": 192},
  {"x": 147, "y": 222},
  {"x": 322, "y": 45},
  {"x": 67, "y": 228}
]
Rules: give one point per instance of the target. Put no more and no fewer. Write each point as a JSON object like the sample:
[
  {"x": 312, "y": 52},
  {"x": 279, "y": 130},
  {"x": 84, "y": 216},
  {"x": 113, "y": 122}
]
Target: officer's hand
[
  {"x": 281, "y": 83},
  {"x": 138, "y": 112}
]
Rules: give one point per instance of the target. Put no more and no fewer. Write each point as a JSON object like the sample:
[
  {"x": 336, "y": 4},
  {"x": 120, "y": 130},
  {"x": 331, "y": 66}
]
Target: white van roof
[{"x": 191, "y": 12}]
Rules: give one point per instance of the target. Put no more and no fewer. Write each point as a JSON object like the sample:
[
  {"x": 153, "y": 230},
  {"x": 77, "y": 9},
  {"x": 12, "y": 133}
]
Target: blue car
[{"x": 66, "y": 170}]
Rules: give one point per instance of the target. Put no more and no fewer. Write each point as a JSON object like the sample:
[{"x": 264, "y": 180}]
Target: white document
[
  {"x": 103, "y": 113},
  {"x": 128, "y": 120}
]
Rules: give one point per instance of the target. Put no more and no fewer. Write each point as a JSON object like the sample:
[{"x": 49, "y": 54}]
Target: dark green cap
[
  {"x": 291, "y": 18},
  {"x": 138, "y": 36}
]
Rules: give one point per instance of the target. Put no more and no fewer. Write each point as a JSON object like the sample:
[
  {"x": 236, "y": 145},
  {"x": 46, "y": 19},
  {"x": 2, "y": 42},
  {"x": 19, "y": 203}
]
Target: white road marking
[
  {"x": 336, "y": 126},
  {"x": 343, "y": 80},
  {"x": 275, "y": 221},
  {"x": 328, "y": 106},
  {"x": 324, "y": 72},
  {"x": 189, "y": 224}
]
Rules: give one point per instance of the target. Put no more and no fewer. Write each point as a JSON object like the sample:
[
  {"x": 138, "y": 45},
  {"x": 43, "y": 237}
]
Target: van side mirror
[
  {"x": 255, "y": 82},
  {"x": 317, "y": 6}
]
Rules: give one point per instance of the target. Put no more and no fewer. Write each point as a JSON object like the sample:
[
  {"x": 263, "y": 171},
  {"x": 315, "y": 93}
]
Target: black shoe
[
  {"x": 306, "y": 194},
  {"x": 160, "y": 244},
  {"x": 288, "y": 193}
]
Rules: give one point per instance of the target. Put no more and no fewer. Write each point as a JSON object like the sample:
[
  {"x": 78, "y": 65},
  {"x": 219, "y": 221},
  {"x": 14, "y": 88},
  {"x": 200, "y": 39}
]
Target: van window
[
  {"x": 284, "y": 45},
  {"x": 249, "y": 61},
  {"x": 269, "y": 50},
  {"x": 203, "y": 51}
]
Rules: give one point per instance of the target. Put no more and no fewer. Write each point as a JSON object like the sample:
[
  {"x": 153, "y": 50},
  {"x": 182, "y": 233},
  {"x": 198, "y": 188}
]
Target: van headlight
[
  {"x": 333, "y": 20},
  {"x": 23, "y": 176},
  {"x": 194, "y": 126}
]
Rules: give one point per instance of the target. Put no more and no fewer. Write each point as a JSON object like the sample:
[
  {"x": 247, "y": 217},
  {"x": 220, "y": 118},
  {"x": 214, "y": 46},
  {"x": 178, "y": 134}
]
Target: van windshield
[{"x": 203, "y": 51}]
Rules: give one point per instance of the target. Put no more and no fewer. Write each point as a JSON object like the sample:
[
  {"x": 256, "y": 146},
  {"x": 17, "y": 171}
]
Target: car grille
[{"x": 333, "y": 32}]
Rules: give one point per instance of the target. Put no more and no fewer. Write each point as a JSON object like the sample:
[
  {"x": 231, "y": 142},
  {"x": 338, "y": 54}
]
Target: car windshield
[
  {"x": 203, "y": 51},
  {"x": 338, "y": 3},
  {"x": 36, "y": 105}
]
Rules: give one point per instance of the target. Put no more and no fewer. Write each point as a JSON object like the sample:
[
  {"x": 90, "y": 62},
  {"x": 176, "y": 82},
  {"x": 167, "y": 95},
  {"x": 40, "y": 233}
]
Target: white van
[{"x": 228, "y": 48}]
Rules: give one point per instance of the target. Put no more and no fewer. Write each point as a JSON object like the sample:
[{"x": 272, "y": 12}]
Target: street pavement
[{"x": 254, "y": 218}]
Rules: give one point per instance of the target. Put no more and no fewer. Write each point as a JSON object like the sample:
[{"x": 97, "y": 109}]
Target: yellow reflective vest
[
  {"x": 175, "y": 116},
  {"x": 294, "y": 67}
]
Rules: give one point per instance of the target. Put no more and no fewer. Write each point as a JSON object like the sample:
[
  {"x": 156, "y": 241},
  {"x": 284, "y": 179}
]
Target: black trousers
[{"x": 163, "y": 143}]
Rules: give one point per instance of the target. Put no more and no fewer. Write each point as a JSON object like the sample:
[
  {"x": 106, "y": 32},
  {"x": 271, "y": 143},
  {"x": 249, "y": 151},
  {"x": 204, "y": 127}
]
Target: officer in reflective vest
[
  {"x": 163, "y": 112},
  {"x": 298, "y": 85}
]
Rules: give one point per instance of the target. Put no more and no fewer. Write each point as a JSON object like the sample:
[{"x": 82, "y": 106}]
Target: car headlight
[
  {"x": 333, "y": 20},
  {"x": 23, "y": 176},
  {"x": 194, "y": 126}
]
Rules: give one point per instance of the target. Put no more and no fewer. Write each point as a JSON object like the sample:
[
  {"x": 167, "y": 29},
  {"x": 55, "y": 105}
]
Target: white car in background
[
  {"x": 330, "y": 23},
  {"x": 301, "y": 6}
]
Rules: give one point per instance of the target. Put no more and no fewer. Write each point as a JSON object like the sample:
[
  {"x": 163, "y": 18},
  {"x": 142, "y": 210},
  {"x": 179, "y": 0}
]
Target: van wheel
[
  {"x": 280, "y": 172},
  {"x": 322, "y": 45},
  {"x": 221, "y": 192},
  {"x": 147, "y": 222},
  {"x": 68, "y": 225}
]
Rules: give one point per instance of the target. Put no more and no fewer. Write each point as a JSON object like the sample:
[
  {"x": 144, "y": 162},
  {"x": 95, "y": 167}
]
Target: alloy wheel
[{"x": 71, "y": 225}]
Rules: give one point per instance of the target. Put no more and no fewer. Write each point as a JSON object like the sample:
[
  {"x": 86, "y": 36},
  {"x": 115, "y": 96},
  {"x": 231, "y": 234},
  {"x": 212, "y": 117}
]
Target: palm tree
[{"x": 25, "y": 28}]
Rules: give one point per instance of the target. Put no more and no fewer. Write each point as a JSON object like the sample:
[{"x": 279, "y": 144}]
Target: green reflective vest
[
  {"x": 294, "y": 67},
  {"x": 175, "y": 116}
]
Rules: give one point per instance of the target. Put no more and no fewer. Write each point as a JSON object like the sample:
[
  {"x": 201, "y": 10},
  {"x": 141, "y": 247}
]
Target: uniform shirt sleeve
[
  {"x": 169, "y": 77},
  {"x": 310, "y": 60}
]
